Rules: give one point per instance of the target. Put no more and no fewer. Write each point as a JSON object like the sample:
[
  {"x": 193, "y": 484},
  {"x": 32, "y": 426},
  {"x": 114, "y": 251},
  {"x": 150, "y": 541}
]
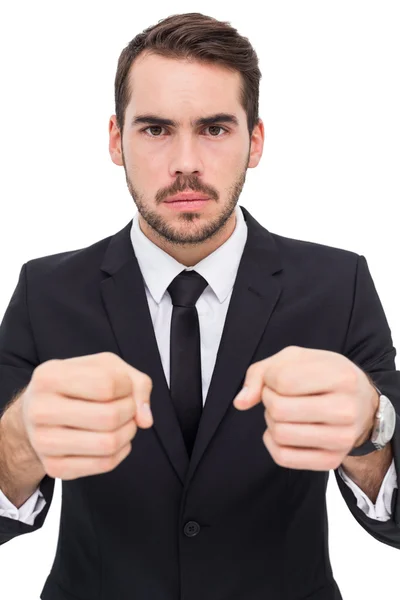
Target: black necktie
[{"x": 185, "y": 359}]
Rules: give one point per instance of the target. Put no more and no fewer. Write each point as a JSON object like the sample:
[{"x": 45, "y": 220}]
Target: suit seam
[
  {"x": 343, "y": 350},
  {"x": 25, "y": 273}
]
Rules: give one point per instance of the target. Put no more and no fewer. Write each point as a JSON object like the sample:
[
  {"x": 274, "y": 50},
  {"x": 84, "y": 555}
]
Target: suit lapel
[
  {"x": 254, "y": 297},
  {"x": 127, "y": 308}
]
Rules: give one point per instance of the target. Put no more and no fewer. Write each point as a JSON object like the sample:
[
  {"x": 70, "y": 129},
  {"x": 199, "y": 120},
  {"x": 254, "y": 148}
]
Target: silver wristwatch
[{"x": 383, "y": 430}]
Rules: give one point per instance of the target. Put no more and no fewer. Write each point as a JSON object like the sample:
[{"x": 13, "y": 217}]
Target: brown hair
[{"x": 193, "y": 36}]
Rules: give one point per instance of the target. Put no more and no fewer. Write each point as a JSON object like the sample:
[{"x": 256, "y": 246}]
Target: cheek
[
  {"x": 145, "y": 164},
  {"x": 236, "y": 160},
  {"x": 225, "y": 163},
  {"x": 144, "y": 156}
]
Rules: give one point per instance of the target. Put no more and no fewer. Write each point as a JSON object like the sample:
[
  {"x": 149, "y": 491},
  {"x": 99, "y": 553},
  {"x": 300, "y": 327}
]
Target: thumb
[
  {"x": 250, "y": 394},
  {"x": 142, "y": 387}
]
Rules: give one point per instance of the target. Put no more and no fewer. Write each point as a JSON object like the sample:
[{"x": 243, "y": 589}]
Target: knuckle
[
  {"x": 133, "y": 430},
  {"x": 43, "y": 375},
  {"x": 44, "y": 440},
  {"x": 334, "y": 462},
  {"x": 146, "y": 381},
  {"x": 348, "y": 414},
  {"x": 114, "y": 361},
  {"x": 265, "y": 395},
  {"x": 109, "y": 444},
  {"x": 353, "y": 377},
  {"x": 51, "y": 466},
  {"x": 105, "y": 384},
  {"x": 36, "y": 412},
  {"x": 349, "y": 379},
  {"x": 274, "y": 410},
  {"x": 281, "y": 382},
  {"x": 280, "y": 456},
  {"x": 291, "y": 350},
  {"x": 108, "y": 418},
  {"x": 348, "y": 437},
  {"x": 252, "y": 369},
  {"x": 36, "y": 438},
  {"x": 108, "y": 463},
  {"x": 107, "y": 355},
  {"x": 280, "y": 433}
]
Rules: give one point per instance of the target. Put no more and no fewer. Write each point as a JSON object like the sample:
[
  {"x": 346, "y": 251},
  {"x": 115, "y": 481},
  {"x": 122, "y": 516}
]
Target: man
[{"x": 213, "y": 500}]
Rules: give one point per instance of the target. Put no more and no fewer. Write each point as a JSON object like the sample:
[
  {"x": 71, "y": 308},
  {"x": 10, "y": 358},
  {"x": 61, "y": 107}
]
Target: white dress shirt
[{"x": 219, "y": 269}]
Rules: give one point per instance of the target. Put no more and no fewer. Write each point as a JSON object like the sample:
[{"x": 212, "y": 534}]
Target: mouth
[
  {"x": 186, "y": 196},
  {"x": 187, "y": 204},
  {"x": 187, "y": 201}
]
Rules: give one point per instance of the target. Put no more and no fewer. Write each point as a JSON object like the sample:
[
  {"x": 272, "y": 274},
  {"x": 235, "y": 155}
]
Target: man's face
[{"x": 163, "y": 160}]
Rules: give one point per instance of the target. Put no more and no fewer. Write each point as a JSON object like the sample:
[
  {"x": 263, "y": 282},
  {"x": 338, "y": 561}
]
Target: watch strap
[
  {"x": 368, "y": 446},
  {"x": 365, "y": 448}
]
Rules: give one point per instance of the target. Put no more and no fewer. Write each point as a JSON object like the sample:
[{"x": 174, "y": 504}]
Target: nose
[{"x": 185, "y": 157}]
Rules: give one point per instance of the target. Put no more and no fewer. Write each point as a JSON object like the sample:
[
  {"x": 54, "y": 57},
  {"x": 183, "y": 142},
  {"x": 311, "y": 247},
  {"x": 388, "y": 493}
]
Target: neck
[{"x": 190, "y": 254}]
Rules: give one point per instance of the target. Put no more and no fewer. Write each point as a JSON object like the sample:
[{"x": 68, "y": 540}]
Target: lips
[{"x": 186, "y": 197}]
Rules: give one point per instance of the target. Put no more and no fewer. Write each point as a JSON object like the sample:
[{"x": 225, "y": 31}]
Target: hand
[
  {"x": 80, "y": 414},
  {"x": 319, "y": 405}
]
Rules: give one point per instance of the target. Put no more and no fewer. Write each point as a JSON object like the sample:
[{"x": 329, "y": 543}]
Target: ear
[
  {"x": 256, "y": 144},
  {"x": 114, "y": 145}
]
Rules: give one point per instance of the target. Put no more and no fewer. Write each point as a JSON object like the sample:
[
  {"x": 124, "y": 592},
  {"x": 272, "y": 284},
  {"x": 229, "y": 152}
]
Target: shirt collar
[{"x": 219, "y": 268}]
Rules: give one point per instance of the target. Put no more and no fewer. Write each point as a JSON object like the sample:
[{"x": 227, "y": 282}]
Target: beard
[{"x": 177, "y": 235}]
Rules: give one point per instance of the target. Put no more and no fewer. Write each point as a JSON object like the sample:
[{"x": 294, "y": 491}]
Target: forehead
[{"x": 157, "y": 83}]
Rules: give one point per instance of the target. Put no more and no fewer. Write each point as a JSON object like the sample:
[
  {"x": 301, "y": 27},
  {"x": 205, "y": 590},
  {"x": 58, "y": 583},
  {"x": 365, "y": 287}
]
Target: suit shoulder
[
  {"x": 304, "y": 250},
  {"x": 70, "y": 262}
]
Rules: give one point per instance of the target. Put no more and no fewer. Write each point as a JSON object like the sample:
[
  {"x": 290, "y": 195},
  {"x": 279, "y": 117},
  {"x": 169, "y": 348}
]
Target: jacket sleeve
[
  {"x": 381, "y": 510},
  {"x": 18, "y": 360},
  {"x": 369, "y": 345},
  {"x": 27, "y": 511}
]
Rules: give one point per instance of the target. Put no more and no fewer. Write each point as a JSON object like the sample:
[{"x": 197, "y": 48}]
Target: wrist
[
  {"x": 369, "y": 428},
  {"x": 15, "y": 444}
]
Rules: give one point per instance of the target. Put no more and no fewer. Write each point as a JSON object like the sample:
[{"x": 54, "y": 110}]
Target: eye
[
  {"x": 153, "y": 127},
  {"x": 158, "y": 127},
  {"x": 216, "y": 127}
]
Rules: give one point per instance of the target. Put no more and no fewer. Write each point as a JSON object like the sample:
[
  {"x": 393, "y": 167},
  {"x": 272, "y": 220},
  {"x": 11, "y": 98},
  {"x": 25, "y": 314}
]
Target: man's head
[{"x": 187, "y": 68}]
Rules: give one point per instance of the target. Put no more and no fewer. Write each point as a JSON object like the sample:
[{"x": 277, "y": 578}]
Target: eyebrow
[{"x": 202, "y": 122}]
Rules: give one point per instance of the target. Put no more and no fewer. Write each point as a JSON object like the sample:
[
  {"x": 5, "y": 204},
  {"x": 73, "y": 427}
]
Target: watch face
[{"x": 389, "y": 422}]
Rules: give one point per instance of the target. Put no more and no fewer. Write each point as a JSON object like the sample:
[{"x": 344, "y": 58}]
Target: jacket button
[{"x": 191, "y": 528}]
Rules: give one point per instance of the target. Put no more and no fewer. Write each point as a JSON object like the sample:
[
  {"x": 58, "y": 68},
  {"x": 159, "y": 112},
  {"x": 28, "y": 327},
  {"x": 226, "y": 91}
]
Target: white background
[{"x": 330, "y": 99}]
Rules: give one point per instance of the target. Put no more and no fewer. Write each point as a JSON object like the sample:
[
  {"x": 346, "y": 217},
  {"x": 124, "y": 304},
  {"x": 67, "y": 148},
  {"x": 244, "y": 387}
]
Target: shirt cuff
[
  {"x": 381, "y": 510},
  {"x": 27, "y": 511}
]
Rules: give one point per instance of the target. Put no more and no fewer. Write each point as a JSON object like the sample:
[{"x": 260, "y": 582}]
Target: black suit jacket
[{"x": 229, "y": 524}]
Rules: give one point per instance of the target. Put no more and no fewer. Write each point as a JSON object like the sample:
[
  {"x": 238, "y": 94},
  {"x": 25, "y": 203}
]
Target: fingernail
[
  {"x": 147, "y": 411},
  {"x": 243, "y": 394}
]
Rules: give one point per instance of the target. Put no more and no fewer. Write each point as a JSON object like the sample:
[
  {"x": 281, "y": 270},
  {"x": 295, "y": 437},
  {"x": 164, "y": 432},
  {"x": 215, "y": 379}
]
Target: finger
[
  {"x": 330, "y": 408},
  {"x": 80, "y": 414},
  {"x": 142, "y": 386},
  {"x": 295, "y": 458},
  {"x": 250, "y": 394},
  {"x": 324, "y": 437},
  {"x": 67, "y": 467},
  {"x": 325, "y": 373},
  {"x": 64, "y": 441},
  {"x": 73, "y": 378}
]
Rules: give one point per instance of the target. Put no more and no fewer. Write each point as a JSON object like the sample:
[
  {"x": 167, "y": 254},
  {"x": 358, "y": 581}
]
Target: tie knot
[{"x": 187, "y": 288}]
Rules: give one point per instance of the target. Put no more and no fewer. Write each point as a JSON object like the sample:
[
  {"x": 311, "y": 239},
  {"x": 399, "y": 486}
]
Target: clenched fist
[{"x": 80, "y": 414}]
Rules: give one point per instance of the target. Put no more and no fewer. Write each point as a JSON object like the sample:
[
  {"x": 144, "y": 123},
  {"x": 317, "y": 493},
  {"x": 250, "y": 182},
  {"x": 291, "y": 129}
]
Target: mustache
[{"x": 185, "y": 184}]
